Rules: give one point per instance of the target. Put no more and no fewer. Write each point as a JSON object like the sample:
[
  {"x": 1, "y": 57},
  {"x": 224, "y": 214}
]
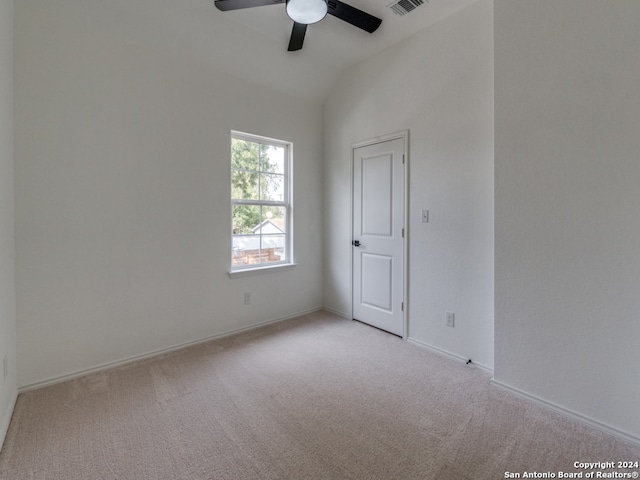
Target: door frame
[{"x": 404, "y": 135}]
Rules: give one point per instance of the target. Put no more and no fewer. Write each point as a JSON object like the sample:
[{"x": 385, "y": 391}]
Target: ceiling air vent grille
[{"x": 403, "y": 7}]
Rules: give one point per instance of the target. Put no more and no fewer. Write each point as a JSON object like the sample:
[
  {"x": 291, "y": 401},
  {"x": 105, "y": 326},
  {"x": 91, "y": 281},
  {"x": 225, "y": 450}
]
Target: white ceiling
[{"x": 252, "y": 43}]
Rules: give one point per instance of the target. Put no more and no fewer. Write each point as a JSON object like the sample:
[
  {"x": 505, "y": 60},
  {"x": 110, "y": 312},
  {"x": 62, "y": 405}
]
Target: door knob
[{"x": 356, "y": 243}]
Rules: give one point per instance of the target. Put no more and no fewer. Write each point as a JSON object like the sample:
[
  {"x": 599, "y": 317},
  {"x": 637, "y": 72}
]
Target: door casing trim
[{"x": 404, "y": 135}]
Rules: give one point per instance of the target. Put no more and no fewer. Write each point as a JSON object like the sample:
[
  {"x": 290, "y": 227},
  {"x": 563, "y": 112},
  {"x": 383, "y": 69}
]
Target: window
[{"x": 260, "y": 202}]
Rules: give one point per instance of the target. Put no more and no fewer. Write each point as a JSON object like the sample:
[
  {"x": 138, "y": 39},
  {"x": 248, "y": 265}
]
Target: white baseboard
[
  {"x": 6, "y": 420},
  {"x": 337, "y": 313},
  {"x": 154, "y": 353},
  {"x": 453, "y": 356},
  {"x": 616, "y": 432}
]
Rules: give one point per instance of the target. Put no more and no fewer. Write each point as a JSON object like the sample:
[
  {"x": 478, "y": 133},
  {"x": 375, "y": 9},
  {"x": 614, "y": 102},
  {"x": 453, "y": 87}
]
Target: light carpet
[{"x": 316, "y": 397}]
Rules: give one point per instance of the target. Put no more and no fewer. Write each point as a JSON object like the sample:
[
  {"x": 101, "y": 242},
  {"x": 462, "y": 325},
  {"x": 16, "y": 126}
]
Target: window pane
[
  {"x": 273, "y": 234},
  {"x": 246, "y": 219},
  {"x": 244, "y": 155},
  {"x": 271, "y": 187},
  {"x": 246, "y": 250},
  {"x": 273, "y": 248},
  {"x": 273, "y": 158},
  {"x": 244, "y": 185},
  {"x": 274, "y": 220}
]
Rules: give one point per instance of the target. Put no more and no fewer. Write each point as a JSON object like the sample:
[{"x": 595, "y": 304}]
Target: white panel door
[{"x": 378, "y": 226}]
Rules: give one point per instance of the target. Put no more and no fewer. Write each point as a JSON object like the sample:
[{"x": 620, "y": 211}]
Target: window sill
[{"x": 246, "y": 272}]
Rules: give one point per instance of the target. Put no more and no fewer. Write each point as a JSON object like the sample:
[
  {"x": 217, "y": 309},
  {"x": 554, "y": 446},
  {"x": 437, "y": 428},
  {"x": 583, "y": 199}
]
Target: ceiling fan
[{"x": 307, "y": 12}]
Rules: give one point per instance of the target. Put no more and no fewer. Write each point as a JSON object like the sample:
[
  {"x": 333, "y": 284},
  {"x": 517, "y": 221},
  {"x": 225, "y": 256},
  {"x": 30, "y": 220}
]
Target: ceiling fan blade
[
  {"x": 297, "y": 36},
  {"x": 225, "y": 5},
  {"x": 352, "y": 15}
]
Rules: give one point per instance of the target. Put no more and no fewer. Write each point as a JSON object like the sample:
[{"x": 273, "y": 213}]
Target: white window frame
[{"x": 286, "y": 203}]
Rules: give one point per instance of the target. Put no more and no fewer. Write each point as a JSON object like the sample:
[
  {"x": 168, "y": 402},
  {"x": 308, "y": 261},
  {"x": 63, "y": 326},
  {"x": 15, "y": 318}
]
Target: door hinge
[
  {"x": 403, "y": 233},
  {"x": 402, "y": 306},
  {"x": 403, "y": 159}
]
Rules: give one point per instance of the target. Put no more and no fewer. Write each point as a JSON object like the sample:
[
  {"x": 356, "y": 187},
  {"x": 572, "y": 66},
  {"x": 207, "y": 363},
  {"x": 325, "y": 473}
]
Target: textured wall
[
  {"x": 439, "y": 85},
  {"x": 567, "y": 202},
  {"x": 8, "y": 390},
  {"x": 122, "y": 181}
]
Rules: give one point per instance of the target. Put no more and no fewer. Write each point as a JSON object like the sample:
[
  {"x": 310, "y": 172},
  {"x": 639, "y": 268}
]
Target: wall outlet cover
[{"x": 450, "y": 319}]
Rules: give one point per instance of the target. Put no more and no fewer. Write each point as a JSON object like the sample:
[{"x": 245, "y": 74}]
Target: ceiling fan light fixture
[{"x": 306, "y": 11}]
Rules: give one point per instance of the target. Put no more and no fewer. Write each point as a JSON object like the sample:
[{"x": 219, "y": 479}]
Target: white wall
[
  {"x": 439, "y": 85},
  {"x": 8, "y": 386},
  {"x": 122, "y": 193},
  {"x": 567, "y": 108}
]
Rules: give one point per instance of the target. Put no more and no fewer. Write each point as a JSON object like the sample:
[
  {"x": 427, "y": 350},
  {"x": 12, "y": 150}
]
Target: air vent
[{"x": 403, "y": 7}]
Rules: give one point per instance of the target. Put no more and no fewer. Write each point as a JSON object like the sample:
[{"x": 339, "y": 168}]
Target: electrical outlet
[
  {"x": 247, "y": 298},
  {"x": 425, "y": 216},
  {"x": 450, "y": 319}
]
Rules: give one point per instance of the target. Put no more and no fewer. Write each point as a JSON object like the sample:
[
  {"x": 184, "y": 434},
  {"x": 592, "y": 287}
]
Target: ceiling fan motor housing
[{"x": 306, "y": 11}]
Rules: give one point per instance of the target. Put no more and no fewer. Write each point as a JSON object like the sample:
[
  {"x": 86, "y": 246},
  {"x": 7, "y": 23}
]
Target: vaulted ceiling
[{"x": 252, "y": 43}]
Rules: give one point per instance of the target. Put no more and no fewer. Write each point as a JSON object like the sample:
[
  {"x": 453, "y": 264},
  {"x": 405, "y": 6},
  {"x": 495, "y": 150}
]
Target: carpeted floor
[{"x": 316, "y": 397}]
